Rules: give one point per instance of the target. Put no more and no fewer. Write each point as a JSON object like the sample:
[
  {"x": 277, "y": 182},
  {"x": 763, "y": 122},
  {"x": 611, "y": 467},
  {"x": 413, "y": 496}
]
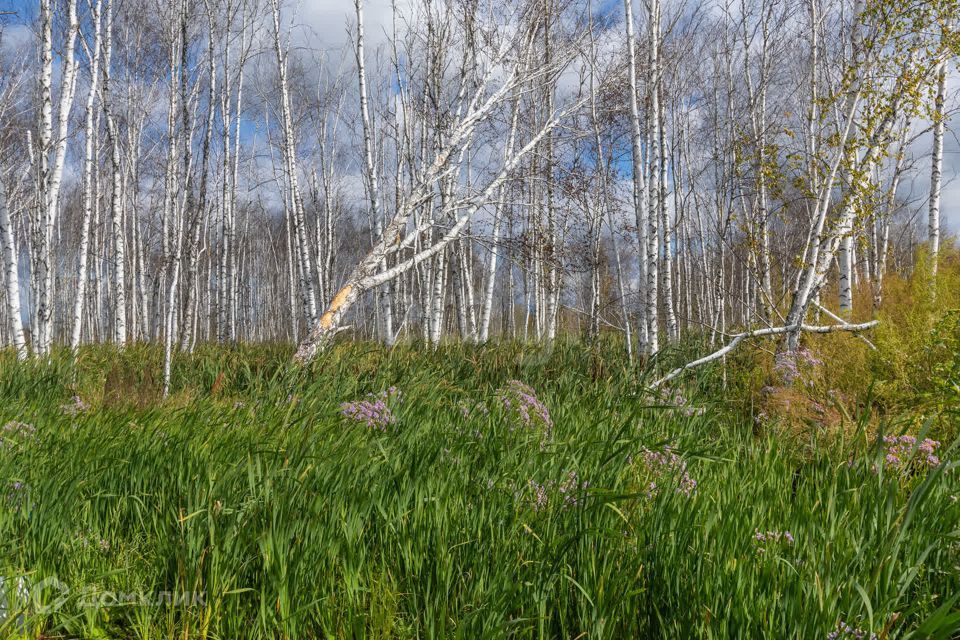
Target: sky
[
  {"x": 950, "y": 197},
  {"x": 950, "y": 190},
  {"x": 325, "y": 25}
]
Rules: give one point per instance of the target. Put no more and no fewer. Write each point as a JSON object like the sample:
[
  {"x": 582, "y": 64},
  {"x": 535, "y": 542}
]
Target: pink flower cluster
[
  {"x": 845, "y": 631},
  {"x": 788, "y": 363},
  {"x": 374, "y": 412},
  {"x": 540, "y": 497},
  {"x": 771, "y": 537},
  {"x": 15, "y": 429},
  {"x": 570, "y": 490},
  {"x": 521, "y": 402},
  {"x": 668, "y": 465},
  {"x": 13, "y": 432},
  {"x": 901, "y": 451},
  {"x": 75, "y": 406},
  {"x": 16, "y": 494}
]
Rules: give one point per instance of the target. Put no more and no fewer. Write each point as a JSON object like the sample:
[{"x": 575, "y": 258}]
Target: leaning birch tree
[{"x": 507, "y": 68}]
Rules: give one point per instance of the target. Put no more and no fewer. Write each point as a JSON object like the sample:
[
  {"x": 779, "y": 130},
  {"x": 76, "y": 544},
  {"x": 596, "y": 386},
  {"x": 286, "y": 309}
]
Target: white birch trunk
[
  {"x": 654, "y": 192},
  {"x": 11, "y": 277},
  {"x": 290, "y": 159},
  {"x": 666, "y": 233},
  {"x": 846, "y": 275},
  {"x": 51, "y": 177},
  {"x": 370, "y": 166},
  {"x": 90, "y": 147},
  {"x": 116, "y": 197},
  {"x": 499, "y": 212},
  {"x": 195, "y": 216},
  {"x": 936, "y": 170},
  {"x": 639, "y": 188}
]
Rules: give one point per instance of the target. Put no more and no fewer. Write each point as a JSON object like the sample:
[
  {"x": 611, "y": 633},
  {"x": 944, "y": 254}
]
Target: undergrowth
[{"x": 495, "y": 491}]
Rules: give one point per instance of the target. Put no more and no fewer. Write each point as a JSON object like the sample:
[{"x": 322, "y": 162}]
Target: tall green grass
[{"x": 249, "y": 487}]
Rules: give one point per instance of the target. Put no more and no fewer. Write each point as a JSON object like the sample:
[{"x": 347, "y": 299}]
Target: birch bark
[
  {"x": 290, "y": 159},
  {"x": 936, "y": 170},
  {"x": 90, "y": 135},
  {"x": 639, "y": 187},
  {"x": 116, "y": 196},
  {"x": 11, "y": 277}
]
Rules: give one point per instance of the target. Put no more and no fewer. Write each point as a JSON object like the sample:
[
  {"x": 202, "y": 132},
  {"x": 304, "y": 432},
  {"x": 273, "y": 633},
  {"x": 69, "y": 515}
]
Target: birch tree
[
  {"x": 11, "y": 277},
  {"x": 51, "y": 173},
  {"x": 290, "y": 164},
  {"x": 90, "y": 147},
  {"x": 663, "y": 172},
  {"x": 508, "y": 58},
  {"x": 936, "y": 168},
  {"x": 856, "y": 153},
  {"x": 639, "y": 184}
]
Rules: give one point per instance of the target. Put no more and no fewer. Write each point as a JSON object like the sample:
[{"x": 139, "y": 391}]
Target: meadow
[{"x": 462, "y": 492}]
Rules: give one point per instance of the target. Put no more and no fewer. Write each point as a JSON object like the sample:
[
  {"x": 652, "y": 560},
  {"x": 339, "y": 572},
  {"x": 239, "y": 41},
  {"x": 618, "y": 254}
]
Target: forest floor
[{"x": 501, "y": 491}]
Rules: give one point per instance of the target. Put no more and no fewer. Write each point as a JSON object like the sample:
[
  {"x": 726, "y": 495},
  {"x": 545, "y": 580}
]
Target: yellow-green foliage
[
  {"x": 913, "y": 371},
  {"x": 918, "y": 340}
]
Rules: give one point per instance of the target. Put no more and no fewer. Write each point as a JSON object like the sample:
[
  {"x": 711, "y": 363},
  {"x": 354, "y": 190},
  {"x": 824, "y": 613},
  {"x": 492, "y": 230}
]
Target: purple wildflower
[
  {"x": 928, "y": 446},
  {"x": 845, "y": 631},
  {"x": 571, "y": 488},
  {"x": 540, "y": 497},
  {"x": 88, "y": 539},
  {"x": 771, "y": 537},
  {"x": 470, "y": 408},
  {"x": 521, "y": 402},
  {"x": 14, "y": 431},
  {"x": 16, "y": 493},
  {"x": 568, "y": 492},
  {"x": 374, "y": 412},
  {"x": 788, "y": 364},
  {"x": 75, "y": 406},
  {"x": 903, "y": 452},
  {"x": 808, "y": 358},
  {"x": 14, "y": 428},
  {"x": 651, "y": 489},
  {"x": 667, "y": 464}
]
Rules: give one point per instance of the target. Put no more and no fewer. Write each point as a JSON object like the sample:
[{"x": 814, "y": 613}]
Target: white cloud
[
  {"x": 918, "y": 184},
  {"x": 16, "y": 38},
  {"x": 330, "y": 22}
]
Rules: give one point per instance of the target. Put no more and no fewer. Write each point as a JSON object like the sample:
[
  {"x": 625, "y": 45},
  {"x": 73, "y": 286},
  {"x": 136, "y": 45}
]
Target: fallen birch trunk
[{"x": 758, "y": 333}]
